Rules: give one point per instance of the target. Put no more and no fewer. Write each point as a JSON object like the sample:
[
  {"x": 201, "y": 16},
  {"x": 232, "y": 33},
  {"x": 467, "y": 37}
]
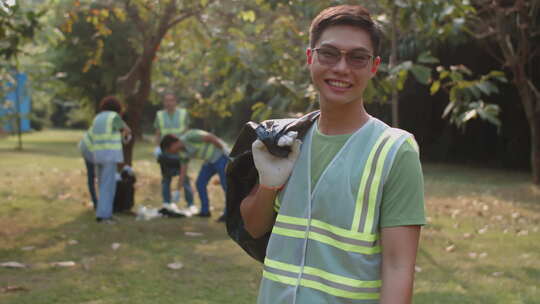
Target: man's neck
[
  {"x": 342, "y": 119},
  {"x": 170, "y": 111}
]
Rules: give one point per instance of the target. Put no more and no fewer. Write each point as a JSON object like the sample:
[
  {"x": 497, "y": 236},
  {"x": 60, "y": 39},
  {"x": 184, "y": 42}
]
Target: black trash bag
[
  {"x": 124, "y": 197},
  {"x": 242, "y": 175},
  {"x": 168, "y": 213}
]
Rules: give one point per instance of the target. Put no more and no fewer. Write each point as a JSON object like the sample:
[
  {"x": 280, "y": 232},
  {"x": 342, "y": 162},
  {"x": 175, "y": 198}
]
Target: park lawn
[{"x": 482, "y": 243}]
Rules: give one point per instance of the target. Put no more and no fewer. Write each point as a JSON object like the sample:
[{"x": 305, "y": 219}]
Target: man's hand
[{"x": 274, "y": 171}]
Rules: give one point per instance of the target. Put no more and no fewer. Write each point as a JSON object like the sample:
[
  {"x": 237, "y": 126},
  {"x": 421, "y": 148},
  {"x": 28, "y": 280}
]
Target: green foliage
[
  {"x": 17, "y": 26},
  {"x": 397, "y": 76},
  {"x": 236, "y": 60},
  {"x": 466, "y": 94},
  {"x": 240, "y": 61},
  {"x": 89, "y": 61}
]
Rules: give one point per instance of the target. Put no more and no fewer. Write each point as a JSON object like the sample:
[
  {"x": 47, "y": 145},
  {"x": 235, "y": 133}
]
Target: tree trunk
[
  {"x": 535, "y": 148},
  {"x": 137, "y": 93},
  {"x": 532, "y": 111},
  {"x": 135, "y": 108},
  {"x": 392, "y": 64}
]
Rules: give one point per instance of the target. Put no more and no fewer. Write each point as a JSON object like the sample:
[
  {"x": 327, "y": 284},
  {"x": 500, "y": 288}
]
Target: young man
[
  {"x": 173, "y": 120},
  {"x": 208, "y": 148},
  {"x": 349, "y": 199}
]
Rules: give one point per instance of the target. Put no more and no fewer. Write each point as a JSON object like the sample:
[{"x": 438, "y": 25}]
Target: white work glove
[
  {"x": 157, "y": 152},
  {"x": 274, "y": 171}
]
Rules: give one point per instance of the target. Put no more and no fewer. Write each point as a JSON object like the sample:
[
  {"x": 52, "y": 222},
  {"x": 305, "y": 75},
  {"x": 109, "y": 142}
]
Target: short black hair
[
  {"x": 353, "y": 15},
  {"x": 110, "y": 103},
  {"x": 167, "y": 141}
]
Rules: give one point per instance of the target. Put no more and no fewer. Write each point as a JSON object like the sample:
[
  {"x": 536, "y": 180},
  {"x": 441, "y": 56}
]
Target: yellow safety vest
[
  {"x": 177, "y": 125},
  {"x": 106, "y": 143},
  {"x": 324, "y": 246}
]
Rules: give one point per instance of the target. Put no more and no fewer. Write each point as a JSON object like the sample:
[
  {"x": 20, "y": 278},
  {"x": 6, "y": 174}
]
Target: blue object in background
[{"x": 18, "y": 94}]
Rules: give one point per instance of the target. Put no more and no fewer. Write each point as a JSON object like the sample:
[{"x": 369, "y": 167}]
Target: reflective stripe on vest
[
  {"x": 335, "y": 285},
  {"x": 108, "y": 140},
  {"x": 88, "y": 142},
  {"x": 178, "y": 124},
  {"x": 366, "y": 201},
  {"x": 343, "y": 239},
  {"x": 354, "y": 245}
]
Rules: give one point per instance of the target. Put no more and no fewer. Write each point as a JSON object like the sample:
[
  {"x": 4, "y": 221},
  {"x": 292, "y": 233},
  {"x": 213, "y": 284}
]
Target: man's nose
[{"x": 341, "y": 65}]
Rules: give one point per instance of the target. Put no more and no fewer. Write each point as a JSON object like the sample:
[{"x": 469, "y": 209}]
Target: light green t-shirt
[
  {"x": 193, "y": 139},
  {"x": 403, "y": 193},
  {"x": 118, "y": 123}
]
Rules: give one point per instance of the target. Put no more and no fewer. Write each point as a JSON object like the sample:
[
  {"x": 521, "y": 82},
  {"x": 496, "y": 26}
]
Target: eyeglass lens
[{"x": 355, "y": 58}]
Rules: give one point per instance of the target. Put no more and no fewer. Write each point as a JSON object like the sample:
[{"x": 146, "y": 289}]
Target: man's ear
[
  {"x": 376, "y": 64},
  {"x": 309, "y": 56}
]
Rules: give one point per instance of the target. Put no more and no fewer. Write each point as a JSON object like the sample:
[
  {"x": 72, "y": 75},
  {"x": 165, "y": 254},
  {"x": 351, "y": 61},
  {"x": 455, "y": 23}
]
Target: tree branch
[{"x": 186, "y": 14}]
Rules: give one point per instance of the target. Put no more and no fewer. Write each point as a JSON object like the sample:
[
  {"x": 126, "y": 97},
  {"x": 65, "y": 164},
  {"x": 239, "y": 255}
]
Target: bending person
[
  {"x": 210, "y": 149},
  {"x": 172, "y": 120}
]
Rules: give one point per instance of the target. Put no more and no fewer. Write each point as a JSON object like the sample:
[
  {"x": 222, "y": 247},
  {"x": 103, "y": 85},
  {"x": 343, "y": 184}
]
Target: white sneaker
[
  {"x": 171, "y": 207},
  {"x": 193, "y": 209}
]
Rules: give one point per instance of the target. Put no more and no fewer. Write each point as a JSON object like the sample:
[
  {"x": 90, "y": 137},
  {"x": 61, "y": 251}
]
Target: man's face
[
  {"x": 169, "y": 102},
  {"x": 340, "y": 83},
  {"x": 175, "y": 147}
]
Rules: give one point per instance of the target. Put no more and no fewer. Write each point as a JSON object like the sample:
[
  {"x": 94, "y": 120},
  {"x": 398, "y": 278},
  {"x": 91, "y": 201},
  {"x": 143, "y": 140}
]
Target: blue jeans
[
  {"x": 170, "y": 167},
  {"x": 166, "y": 189},
  {"x": 91, "y": 180},
  {"x": 106, "y": 173},
  {"x": 207, "y": 171}
]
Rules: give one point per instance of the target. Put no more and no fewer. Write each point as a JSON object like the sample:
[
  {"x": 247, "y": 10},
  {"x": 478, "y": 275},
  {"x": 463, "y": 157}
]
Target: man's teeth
[{"x": 338, "y": 84}]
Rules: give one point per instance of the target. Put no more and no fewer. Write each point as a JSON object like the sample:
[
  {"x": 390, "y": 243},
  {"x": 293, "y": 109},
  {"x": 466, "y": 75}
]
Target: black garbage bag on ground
[
  {"x": 168, "y": 213},
  {"x": 124, "y": 198},
  {"x": 242, "y": 175}
]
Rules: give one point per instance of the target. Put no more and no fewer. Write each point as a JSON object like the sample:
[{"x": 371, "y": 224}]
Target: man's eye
[
  {"x": 328, "y": 53},
  {"x": 359, "y": 57}
]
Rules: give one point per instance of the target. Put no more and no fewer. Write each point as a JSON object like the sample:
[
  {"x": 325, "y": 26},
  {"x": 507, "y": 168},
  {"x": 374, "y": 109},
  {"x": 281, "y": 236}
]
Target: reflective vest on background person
[
  {"x": 106, "y": 138},
  {"x": 175, "y": 124},
  {"x": 324, "y": 246},
  {"x": 197, "y": 148},
  {"x": 86, "y": 147}
]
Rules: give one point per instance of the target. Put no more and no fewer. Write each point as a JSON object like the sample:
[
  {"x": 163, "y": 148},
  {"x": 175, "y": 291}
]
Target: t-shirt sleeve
[
  {"x": 118, "y": 123},
  {"x": 403, "y": 193}
]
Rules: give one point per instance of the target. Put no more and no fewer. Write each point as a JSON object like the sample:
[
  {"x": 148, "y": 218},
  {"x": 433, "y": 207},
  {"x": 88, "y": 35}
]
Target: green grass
[{"x": 44, "y": 204}]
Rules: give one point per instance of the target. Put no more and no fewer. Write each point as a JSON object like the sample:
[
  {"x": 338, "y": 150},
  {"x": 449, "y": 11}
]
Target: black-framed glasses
[{"x": 330, "y": 56}]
